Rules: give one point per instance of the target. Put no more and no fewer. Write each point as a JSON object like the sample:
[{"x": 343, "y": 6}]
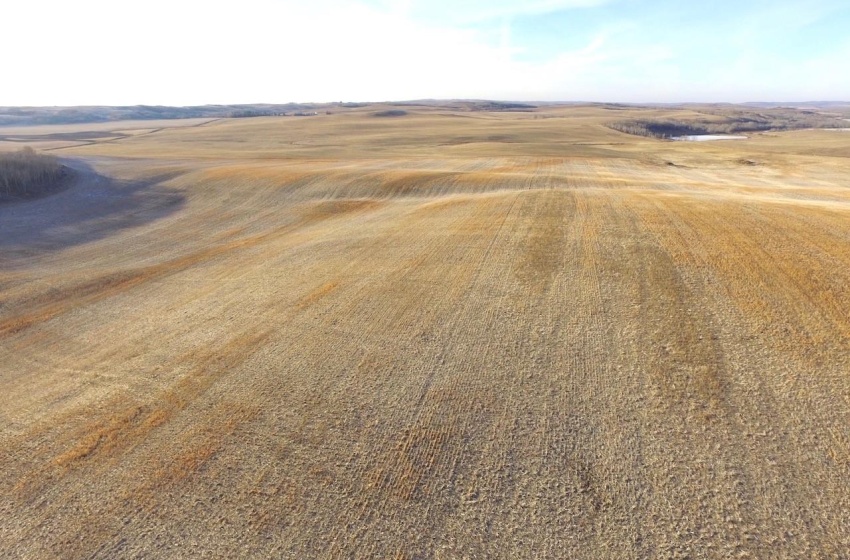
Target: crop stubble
[{"x": 376, "y": 343}]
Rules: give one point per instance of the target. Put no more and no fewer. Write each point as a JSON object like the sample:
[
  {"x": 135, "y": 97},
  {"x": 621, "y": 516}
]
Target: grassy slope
[{"x": 481, "y": 335}]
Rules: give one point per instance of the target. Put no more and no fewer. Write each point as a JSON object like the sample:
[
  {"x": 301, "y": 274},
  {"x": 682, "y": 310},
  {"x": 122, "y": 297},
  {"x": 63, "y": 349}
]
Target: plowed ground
[{"x": 436, "y": 336}]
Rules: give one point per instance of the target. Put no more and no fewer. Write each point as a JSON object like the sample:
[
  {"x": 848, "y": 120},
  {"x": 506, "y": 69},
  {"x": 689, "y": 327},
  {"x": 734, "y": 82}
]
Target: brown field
[{"x": 443, "y": 335}]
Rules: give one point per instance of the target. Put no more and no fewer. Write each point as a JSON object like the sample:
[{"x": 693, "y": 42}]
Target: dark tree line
[
  {"x": 731, "y": 122},
  {"x": 27, "y": 174}
]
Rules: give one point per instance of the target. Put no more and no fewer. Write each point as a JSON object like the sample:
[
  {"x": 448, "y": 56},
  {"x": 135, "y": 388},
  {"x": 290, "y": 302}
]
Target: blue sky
[{"x": 186, "y": 52}]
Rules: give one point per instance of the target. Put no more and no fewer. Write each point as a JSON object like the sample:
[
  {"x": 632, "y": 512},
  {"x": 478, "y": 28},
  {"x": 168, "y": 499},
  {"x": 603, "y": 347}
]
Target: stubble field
[{"x": 441, "y": 335}]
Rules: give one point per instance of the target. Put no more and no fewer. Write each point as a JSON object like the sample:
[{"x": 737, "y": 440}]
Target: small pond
[{"x": 707, "y": 137}]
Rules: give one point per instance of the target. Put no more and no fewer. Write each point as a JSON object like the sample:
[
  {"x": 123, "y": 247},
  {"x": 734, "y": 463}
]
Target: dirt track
[{"x": 379, "y": 343}]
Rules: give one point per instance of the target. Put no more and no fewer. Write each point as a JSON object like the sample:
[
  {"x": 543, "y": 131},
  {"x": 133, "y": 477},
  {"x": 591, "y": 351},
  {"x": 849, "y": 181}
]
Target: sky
[{"x": 182, "y": 52}]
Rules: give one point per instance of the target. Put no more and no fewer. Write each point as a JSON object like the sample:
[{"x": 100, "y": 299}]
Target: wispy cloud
[{"x": 476, "y": 11}]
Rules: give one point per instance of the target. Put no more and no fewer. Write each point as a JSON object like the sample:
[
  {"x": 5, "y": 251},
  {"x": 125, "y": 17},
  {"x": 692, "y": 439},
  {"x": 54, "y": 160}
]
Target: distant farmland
[{"x": 469, "y": 331}]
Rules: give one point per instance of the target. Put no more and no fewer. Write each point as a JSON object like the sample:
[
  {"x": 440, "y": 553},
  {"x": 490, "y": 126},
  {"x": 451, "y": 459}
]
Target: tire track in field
[
  {"x": 405, "y": 469},
  {"x": 132, "y": 429},
  {"x": 61, "y": 301},
  {"x": 111, "y": 428},
  {"x": 452, "y": 325},
  {"x": 744, "y": 447},
  {"x": 125, "y": 422}
]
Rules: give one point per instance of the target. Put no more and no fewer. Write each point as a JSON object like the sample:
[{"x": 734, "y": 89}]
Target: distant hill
[
  {"x": 88, "y": 114},
  {"x": 802, "y": 104},
  {"x": 25, "y": 116}
]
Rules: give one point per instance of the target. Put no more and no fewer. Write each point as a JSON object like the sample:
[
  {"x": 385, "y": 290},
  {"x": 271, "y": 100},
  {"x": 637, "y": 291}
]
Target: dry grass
[
  {"x": 26, "y": 174},
  {"x": 457, "y": 335}
]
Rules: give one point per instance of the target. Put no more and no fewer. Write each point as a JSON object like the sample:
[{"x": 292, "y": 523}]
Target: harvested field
[{"x": 446, "y": 335}]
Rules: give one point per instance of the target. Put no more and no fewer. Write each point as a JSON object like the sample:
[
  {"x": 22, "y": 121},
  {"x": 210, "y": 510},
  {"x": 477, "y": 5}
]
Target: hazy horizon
[
  {"x": 436, "y": 102},
  {"x": 92, "y": 52}
]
